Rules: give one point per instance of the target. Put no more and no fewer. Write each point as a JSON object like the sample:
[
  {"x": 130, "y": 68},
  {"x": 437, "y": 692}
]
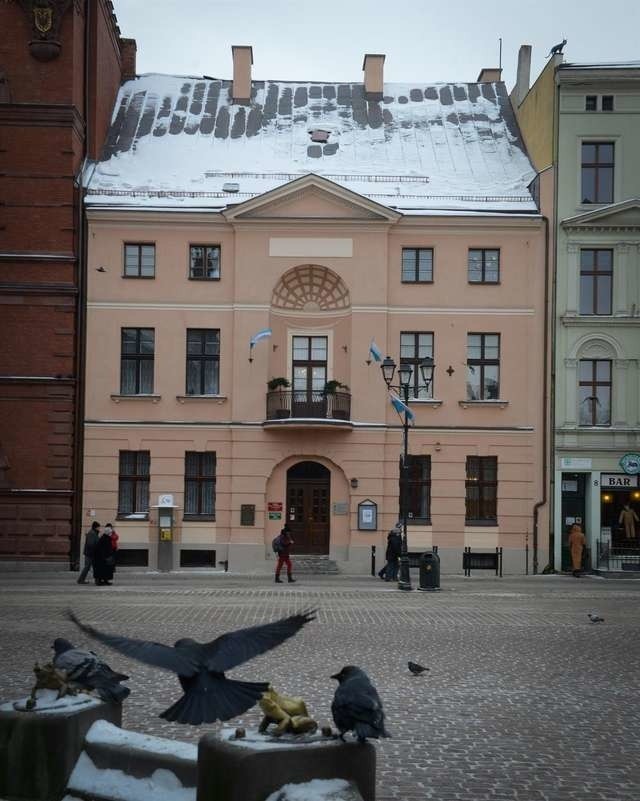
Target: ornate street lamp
[{"x": 405, "y": 372}]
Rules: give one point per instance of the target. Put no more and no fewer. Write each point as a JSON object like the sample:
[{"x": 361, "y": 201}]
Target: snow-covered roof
[{"x": 180, "y": 142}]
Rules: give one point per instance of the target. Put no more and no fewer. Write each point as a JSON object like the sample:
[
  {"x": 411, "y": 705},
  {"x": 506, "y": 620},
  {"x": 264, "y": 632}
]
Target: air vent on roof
[
  {"x": 318, "y": 135},
  {"x": 230, "y": 186}
]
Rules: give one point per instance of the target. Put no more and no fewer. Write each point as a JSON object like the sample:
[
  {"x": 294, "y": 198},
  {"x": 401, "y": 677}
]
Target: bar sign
[{"x": 618, "y": 481}]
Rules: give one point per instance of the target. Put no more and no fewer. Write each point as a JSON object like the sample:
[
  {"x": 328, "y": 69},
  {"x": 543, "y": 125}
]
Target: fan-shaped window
[{"x": 311, "y": 288}]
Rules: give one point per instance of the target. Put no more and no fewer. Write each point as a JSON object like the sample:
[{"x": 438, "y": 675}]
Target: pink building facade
[{"x": 188, "y": 449}]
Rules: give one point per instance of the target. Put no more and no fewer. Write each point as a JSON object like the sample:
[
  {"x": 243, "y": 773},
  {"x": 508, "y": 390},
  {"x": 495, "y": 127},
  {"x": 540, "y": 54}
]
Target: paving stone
[{"x": 525, "y": 699}]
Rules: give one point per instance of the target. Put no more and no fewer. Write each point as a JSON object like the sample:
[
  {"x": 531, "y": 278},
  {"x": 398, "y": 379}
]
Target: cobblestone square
[{"x": 525, "y": 698}]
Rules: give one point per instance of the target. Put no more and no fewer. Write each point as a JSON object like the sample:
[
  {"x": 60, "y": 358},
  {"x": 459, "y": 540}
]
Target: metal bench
[{"x": 481, "y": 560}]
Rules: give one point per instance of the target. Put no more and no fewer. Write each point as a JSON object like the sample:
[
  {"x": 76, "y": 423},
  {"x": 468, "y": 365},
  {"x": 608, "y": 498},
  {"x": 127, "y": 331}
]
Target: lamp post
[{"x": 405, "y": 372}]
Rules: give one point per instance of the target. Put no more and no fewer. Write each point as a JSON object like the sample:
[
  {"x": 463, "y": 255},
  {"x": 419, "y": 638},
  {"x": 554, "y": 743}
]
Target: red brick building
[{"x": 61, "y": 63}]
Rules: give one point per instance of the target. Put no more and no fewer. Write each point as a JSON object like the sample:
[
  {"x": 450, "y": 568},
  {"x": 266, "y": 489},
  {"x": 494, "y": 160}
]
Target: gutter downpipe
[
  {"x": 543, "y": 500},
  {"x": 78, "y": 451}
]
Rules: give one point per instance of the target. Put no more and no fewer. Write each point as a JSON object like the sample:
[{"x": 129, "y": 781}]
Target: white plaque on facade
[
  {"x": 165, "y": 500},
  {"x": 310, "y": 247},
  {"x": 618, "y": 481},
  {"x": 575, "y": 463}
]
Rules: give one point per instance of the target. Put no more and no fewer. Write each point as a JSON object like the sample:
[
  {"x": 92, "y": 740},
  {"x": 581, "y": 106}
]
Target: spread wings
[
  {"x": 151, "y": 653},
  {"x": 231, "y": 650}
]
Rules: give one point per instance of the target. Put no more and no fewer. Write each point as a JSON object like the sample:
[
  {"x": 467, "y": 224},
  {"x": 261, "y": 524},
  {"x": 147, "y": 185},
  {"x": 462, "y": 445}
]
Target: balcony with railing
[{"x": 302, "y": 409}]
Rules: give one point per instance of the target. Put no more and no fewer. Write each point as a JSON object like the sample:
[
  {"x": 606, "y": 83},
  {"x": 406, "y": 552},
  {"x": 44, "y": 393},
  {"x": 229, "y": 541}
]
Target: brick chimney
[
  {"x": 489, "y": 75},
  {"x": 128, "y": 49},
  {"x": 373, "y": 66},
  {"x": 523, "y": 76},
  {"x": 242, "y": 61}
]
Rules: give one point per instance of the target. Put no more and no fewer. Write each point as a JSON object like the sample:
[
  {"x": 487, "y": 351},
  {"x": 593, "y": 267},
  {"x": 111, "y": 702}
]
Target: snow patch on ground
[{"x": 315, "y": 790}]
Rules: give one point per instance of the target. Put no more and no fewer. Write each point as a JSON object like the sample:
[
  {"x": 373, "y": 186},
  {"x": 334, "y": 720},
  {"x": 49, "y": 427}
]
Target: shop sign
[
  {"x": 630, "y": 463},
  {"x": 274, "y": 506},
  {"x": 341, "y": 508},
  {"x": 618, "y": 481},
  {"x": 275, "y": 516},
  {"x": 574, "y": 463}
]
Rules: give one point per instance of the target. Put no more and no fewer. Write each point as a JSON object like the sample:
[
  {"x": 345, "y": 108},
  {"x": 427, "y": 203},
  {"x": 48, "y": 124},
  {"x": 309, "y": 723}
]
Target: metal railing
[
  {"x": 285, "y": 404},
  {"x": 617, "y": 557}
]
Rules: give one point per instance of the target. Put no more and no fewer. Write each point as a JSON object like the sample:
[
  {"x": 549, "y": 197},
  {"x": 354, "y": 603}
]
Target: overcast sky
[{"x": 424, "y": 41}]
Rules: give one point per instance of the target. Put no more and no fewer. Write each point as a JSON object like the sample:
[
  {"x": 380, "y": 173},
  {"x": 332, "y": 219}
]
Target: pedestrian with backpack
[{"x": 282, "y": 546}]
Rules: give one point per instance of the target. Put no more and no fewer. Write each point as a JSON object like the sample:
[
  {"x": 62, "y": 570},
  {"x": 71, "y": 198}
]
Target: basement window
[{"x": 318, "y": 135}]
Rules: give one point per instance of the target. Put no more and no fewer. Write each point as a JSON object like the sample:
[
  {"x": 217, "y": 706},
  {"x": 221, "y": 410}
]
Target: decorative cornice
[{"x": 55, "y": 115}]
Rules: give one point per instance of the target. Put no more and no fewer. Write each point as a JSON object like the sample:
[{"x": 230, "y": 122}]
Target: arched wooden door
[{"x": 308, "y": 503}]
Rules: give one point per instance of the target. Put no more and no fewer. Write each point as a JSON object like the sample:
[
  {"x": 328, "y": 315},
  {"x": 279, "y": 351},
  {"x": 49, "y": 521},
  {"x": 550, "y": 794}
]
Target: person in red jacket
[
  {"x": 113, "y": 534},
  {"x": 284, "y": 543}
]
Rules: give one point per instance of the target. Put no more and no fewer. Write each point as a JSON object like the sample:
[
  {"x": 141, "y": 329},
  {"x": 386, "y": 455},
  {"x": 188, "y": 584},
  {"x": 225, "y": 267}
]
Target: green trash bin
[{"x": 429, "y": 572}]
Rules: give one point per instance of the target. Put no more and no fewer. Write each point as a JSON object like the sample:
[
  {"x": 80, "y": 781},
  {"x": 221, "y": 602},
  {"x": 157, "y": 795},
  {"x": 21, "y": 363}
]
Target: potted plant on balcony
[
  {"x": 329, "y": 391},
  {"x": 279, "y": 405}
]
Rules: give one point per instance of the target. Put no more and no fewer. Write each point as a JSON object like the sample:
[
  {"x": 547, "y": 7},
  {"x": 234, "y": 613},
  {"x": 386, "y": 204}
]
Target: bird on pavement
[
  {"x": 595, "y": 618},
  {"x": 357, "y": 706},
  {"x": 416, "y": 669},
  {"x": 87, "y": 671},
  {"x": 208, "y": 694}
]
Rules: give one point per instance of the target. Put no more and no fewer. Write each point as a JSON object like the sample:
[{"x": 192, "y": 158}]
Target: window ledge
[
  {"x": 496, "y": 404},
  {"x": 184, "y": 398},
  {"x": 152, "y": 398},
  {"x": 434, "y": 402},
  {"x": 199, "y": 518},
  {"x": 480, "y": 523},
  {"x": 135, "y": 517},
  {"x": 602, "y": 319}
]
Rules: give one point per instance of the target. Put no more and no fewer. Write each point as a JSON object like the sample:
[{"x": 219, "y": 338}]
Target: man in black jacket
[{"x": 90, "y": 541}]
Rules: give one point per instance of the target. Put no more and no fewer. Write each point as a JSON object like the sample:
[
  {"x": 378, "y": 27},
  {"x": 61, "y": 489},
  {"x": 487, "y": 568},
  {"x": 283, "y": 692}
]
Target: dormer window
[{"x": 318, "y": 135}]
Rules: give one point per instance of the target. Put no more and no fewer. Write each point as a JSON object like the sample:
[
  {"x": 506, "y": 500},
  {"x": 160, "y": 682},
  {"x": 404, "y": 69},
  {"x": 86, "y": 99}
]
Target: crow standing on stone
[
  {"x": 356, "y": 705},
  {"x": 416, "y": 669},
  {"x": 594, "y": 617},
  {"x": 86, "y": 670},
  {"x": 208, "y": 694}
]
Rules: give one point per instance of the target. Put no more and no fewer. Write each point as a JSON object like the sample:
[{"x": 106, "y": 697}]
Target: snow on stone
[
  {"x": 256, "y": 741},
  {"x": 104, "y": 732},
  {"x": 176, "y": 141},
  {"x": 162, "y": 785},
  {"x": 316, "y": 790},
  {"x": 47, "y": 701}
]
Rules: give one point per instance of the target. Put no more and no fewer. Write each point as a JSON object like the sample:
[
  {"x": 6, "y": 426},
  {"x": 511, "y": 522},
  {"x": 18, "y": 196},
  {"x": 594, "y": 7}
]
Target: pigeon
[
  {"x": 86, "y": 670},
  {"x": 208, "y": 694},
  {"x": 415, "y": 668},
  {"x": 595, "y": 618},
  {"x": 356, "y": 705},
  {"x": 557, "y": 49}
]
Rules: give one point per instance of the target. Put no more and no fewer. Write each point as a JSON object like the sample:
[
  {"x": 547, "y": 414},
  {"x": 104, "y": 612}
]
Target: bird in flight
[
  {"x": 86, "y": 670},
  {"x": 357, "y": 706},
  {"x": 208, "y": 694},
  {"x": 416, "y": 669},
  {"x": 595, "y": 618}
]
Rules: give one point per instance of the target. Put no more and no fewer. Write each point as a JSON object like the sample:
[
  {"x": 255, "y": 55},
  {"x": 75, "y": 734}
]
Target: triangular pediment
[
  {"x": 620, "y": 216},
  {"x": 311, "y": 198}
]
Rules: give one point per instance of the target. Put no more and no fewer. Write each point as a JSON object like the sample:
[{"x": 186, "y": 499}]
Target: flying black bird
[
  {"x": 415, "y": 668},
  {"x": 87, "y": 670},
  {"x": 557, "y": 49},
  {"x": 595, "y": 618},
  {"x": 208, "y": 694},
  {"x": 356, "y": 705}
]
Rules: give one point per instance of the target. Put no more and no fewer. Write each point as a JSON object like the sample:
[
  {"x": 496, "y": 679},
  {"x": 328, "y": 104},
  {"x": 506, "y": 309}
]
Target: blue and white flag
[
  {"x": 375, "y": 351},
  {"x": 266, "y": 332},
  {"x": 401, "y": 407}
]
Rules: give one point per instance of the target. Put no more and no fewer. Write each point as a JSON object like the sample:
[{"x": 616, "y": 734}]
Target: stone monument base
[
  {"x": 39, "y": 748},
  {"x": 253, "y": 767}
]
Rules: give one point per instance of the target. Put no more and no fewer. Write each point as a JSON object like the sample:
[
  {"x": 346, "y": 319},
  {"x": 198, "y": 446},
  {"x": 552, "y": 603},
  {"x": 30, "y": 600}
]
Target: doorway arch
[{"x": 308, "y": 507}]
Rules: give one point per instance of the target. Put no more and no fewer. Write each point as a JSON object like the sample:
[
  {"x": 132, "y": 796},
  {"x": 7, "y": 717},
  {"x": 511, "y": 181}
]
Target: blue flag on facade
[
  {"x": 401, "y": 407},
  {"x": 375, "y": 351},
  {"x": 266, "y": 332}
]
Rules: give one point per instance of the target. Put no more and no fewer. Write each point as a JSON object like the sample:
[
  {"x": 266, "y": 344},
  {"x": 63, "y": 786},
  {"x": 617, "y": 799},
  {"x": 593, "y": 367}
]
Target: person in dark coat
[
  {"x": 104, "y": 560},
  {"x": 90, "y": 541},
  {"x": 285, "y": 541},
  {"x": 394, "y": 548}
]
